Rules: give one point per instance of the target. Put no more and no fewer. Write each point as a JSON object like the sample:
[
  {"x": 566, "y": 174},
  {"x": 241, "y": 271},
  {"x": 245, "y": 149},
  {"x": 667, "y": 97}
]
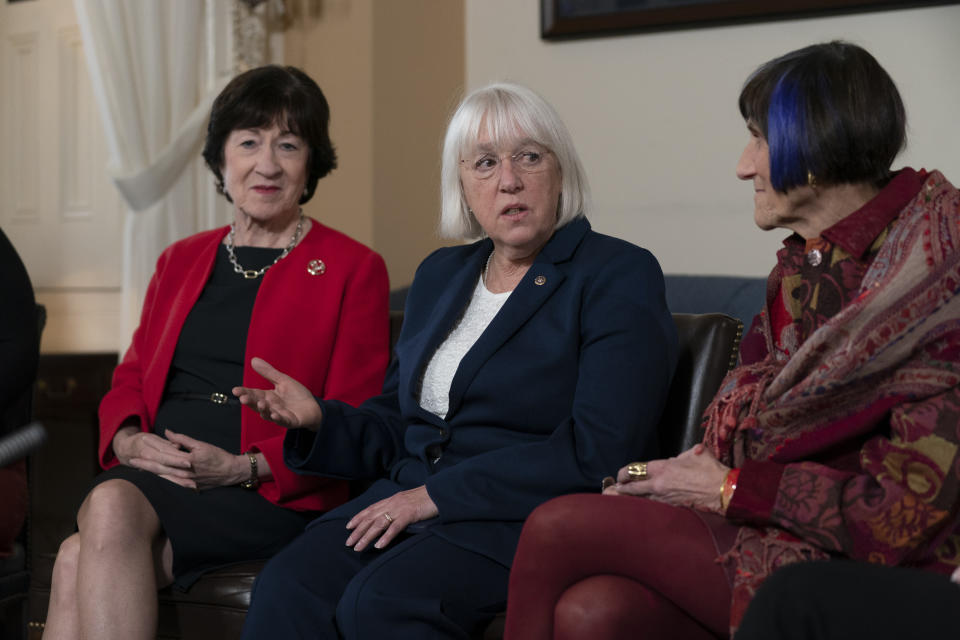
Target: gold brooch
[
  {"x": 316, "y": 267},
  {"x": 540, "y": 281}
]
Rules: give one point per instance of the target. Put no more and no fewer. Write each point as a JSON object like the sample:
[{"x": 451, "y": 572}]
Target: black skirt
[
  {"x": 226, "y": 525},
  {"x": 213, "y": 528}
]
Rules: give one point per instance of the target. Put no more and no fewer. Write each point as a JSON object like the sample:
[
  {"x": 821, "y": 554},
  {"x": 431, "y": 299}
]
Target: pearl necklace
[{"x": 251, "y": 274}]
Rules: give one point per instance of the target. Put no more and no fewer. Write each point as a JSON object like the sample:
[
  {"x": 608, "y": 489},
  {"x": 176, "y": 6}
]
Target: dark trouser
[
  {"x": 419, "y": 587},
  {"x": 842, "y": 600}
]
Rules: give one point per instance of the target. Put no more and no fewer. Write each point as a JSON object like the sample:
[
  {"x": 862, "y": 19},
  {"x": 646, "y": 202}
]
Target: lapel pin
[
  {"x": 316, "y": 267},
  {"x": 540, "y": 281}
]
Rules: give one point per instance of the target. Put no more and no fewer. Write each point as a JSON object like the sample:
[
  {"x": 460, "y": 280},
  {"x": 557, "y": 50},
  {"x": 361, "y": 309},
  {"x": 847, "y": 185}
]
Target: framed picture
[{"x": 588, "y": 18}]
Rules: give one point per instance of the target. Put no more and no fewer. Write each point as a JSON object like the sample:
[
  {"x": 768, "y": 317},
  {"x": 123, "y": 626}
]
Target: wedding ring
[
  {"x": 388, "y": 517},
  {"x": 637, "y": 470}
]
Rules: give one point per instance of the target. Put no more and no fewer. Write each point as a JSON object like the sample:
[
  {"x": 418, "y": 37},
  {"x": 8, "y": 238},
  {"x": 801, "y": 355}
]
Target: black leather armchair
[{"x": 709, "y": 345}]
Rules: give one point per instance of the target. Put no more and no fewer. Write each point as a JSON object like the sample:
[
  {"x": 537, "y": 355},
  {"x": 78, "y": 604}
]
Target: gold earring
[{"x": 811, "y": 179}]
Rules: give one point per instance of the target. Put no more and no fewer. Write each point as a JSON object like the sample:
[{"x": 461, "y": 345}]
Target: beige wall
[
  {"x": 390, "y": 71},
  {"x": 332, "y": 42},
  {"x": 655, "y": 119},
  {"x": 418, "y": 79}
]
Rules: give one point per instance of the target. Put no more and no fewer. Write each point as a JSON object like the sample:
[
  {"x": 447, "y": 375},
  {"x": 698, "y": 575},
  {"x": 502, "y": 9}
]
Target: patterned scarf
[{"x": 882, "y": 349}]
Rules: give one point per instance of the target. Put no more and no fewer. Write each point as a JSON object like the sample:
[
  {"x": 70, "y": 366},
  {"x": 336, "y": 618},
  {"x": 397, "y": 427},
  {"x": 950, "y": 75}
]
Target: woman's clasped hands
[
  {"x": 180, "y": 459},
  {"x": 692, "y": 479}
]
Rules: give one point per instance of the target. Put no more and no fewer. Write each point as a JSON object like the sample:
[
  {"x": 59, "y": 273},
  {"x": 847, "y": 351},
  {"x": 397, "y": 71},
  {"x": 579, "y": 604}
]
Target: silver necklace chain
[
  {"x": 251, "y": 274},
  {"x": 486, "y": 268}
]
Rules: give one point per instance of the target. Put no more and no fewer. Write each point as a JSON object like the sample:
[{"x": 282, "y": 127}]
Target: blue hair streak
[{"x": 787, "y": 136}]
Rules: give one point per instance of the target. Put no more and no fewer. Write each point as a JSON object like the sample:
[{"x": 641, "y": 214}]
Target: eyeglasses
[{"x": 487, "y": 165}]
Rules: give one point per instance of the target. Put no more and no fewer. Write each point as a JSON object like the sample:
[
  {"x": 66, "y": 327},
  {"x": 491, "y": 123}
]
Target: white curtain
[{"x": 148, "y": 62}]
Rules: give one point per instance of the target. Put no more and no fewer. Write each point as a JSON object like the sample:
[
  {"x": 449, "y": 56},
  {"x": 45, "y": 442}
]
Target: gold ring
[
  {"x": 388, "y": 517},
  {"x": 637, "y": 470}
]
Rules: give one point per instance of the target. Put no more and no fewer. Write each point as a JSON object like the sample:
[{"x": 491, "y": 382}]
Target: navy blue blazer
[{"x": 565, "y": 386}]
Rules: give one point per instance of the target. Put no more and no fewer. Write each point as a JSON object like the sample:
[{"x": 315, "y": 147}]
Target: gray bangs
[{"x": 503, "y": 119}]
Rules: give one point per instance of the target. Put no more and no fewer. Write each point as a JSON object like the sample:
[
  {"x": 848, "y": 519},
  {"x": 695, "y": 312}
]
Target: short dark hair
[
  {"x": 264, "y": 96},
  {"x": 828, "y": 110}
]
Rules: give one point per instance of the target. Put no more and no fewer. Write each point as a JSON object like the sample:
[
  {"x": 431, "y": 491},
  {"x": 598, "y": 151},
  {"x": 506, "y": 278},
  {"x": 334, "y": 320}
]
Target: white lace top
[{"x": 435, "y": 385}]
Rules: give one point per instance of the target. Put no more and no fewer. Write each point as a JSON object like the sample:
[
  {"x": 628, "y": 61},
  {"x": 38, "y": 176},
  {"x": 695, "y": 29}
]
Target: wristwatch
[{"x": 254, "y": 480}]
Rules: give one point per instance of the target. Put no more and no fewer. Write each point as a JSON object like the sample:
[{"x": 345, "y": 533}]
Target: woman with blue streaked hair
[{"x": 836, "y": 436}]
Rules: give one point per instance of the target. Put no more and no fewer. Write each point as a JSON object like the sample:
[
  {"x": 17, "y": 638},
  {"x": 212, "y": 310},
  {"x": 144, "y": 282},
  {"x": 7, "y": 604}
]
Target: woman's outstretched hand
[
  {"x": 691, "y": 479},
  {"x": 289, "y": 403}
]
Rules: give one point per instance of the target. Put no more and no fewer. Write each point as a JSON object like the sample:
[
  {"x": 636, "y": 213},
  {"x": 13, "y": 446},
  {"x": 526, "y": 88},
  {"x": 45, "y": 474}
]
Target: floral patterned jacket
[{"x": 844, "y": 415}]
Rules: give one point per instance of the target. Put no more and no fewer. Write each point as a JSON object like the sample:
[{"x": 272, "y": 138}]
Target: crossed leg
[
  {"x": 106, "y": 576},
  {"x": 596, "y": 567}
]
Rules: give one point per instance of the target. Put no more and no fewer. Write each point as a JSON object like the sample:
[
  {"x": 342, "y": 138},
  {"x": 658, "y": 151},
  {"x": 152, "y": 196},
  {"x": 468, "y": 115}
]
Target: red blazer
[{"x": 329, "y": 331}]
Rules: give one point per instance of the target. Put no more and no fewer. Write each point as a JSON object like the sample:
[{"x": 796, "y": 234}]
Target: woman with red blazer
[{"x": 192, "y": 480}]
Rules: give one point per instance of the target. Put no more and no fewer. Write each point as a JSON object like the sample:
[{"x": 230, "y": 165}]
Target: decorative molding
[
  {"x": 23, "y": 161},
  {"x": 78, "y": 128},
  {"x": 249, "y": 35},
  {"x": 252, "y": 21}
]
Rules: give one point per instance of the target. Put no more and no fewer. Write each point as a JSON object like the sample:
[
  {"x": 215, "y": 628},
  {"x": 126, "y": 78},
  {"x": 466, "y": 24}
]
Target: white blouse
[{"x": 436, "y": 381}]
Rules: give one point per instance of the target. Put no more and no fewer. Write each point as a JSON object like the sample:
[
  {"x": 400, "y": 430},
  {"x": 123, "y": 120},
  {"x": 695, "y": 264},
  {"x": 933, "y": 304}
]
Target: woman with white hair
[{"x": 530, "y": 362}]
